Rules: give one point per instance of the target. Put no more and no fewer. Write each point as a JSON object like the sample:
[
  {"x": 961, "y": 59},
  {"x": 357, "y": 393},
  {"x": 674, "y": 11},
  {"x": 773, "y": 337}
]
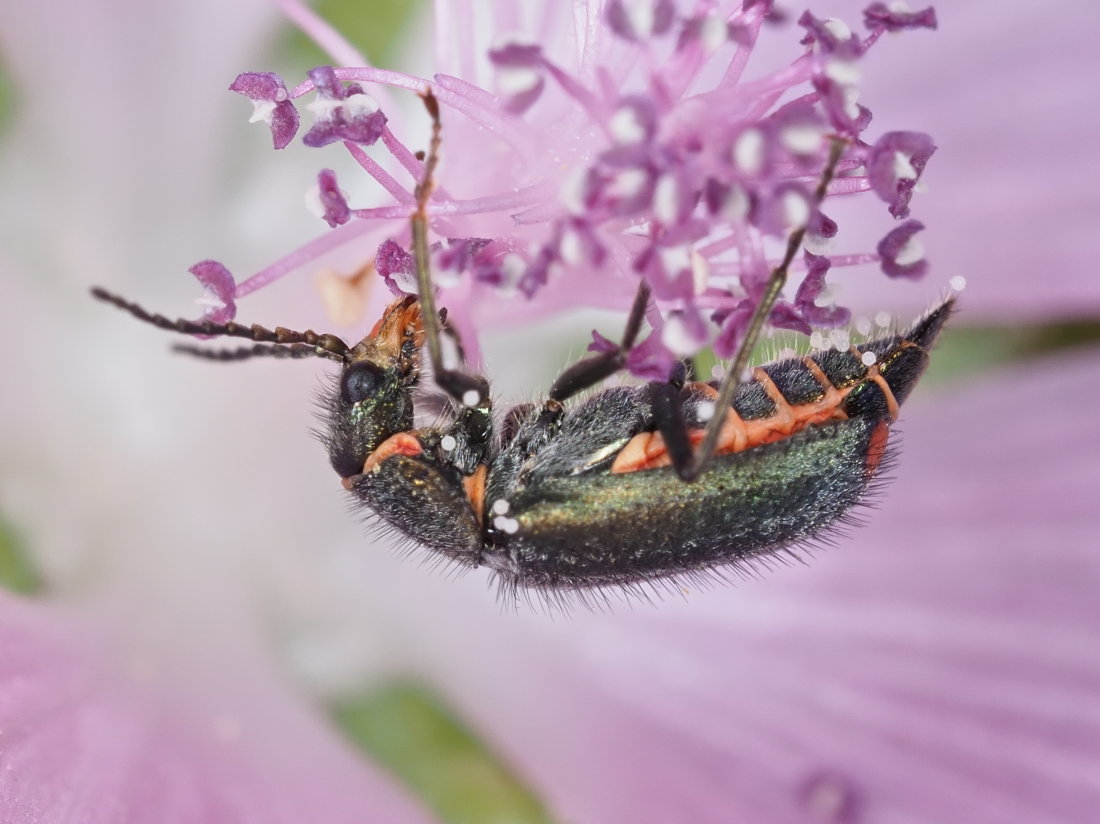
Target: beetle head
[{"x": 372, "y": 399}]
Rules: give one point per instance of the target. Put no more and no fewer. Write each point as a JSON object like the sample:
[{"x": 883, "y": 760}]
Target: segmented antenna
[
  {"x": 321, "y": 346},
  {"x": 293, "y": 351}
]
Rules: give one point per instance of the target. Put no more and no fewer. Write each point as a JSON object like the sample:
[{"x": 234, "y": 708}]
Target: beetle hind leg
[{"x": 588, "y": 372}]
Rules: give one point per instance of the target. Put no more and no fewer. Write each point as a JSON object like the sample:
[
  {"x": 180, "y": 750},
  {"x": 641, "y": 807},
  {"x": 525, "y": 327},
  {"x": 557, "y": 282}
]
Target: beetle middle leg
[
  {"x": 692, "y": 468},
  {"x": 667, "y": 399},
  {"x": 588, "y": 372}
]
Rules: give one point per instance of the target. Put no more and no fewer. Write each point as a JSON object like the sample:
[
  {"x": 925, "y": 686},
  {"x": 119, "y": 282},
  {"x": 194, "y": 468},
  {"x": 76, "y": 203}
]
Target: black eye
[{"x": 359, "y": 381}]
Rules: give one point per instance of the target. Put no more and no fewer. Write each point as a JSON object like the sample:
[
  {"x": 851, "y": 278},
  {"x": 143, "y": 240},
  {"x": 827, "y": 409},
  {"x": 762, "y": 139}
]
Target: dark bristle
[
  {"x": 927, "y": 329},
  {"x": 795, "y": 381}
]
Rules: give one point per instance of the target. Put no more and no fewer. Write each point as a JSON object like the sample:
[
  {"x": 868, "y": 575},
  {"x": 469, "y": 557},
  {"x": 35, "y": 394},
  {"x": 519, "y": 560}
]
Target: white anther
[
  {"x": 626, "y": 126},
  {"x": 512, "y": 268},
  {"x": 736, "y": 205},
  {"x": 262, "y": 110},
  {"x": 572, "y": 191},
  {"x": 208, "y": 300},
  {"x": 471, "y": 397},
  {"x": 843, "y": 72},
  {"x": 323, "y": 107},
  {"x": 678, "y": 337},
  {"x": 713, "y": 32},
  {"x": 666, "y": 198},
  {"x": 957, "y": 283},
  {"x": 700, "y": 272},
  {"x": 640, "y": 16},
  {"x": 837, "y": 28},
  {"x": 827, "y": 296},
  {"x": 515, "y": 80},
  {"x": 628, "y": 183},
  {"x": 796, "y": 209},
  {"x": 818, "y": 244},
  {"x": 571, "y": 249},
  {"x": 868, "y": 358},
  {"x": 359, "y": 104},
  {"x": 508, "y": 525},
  {"x": 675, "y": 259},
  {"x": 903, "y": 167},
  {"x": 801, "y": 138},
  {"x": 501, "y": 507},
  {"x": 448, "y": 443},
  {"x": 748, "y": 151},
  {"x": 851, "y": 102},
  {"x": 314, "y": 205},
  {"x": 912, "y": 252}
]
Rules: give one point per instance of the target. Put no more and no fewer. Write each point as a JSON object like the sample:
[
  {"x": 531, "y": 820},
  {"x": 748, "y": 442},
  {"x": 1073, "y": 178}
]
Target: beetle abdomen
[
  {"x": 801, "y": 445},
  {"x": 600, "y": 529},
  {"x": 786, "y": 397}
]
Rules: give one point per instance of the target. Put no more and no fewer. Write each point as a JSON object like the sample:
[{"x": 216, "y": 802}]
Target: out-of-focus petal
[
  {"x": 1012, "y": 208},
  {"x": 90, "y": 739},
  {"x": 938, "y": 666}
]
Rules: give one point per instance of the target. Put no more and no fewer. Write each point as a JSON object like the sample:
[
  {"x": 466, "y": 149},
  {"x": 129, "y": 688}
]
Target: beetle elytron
[{"x": 634, "y": 484}]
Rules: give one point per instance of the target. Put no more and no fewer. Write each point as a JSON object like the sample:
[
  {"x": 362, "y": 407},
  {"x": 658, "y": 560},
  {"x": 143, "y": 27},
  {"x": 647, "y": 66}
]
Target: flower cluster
[{"x": 643, "y": 157}]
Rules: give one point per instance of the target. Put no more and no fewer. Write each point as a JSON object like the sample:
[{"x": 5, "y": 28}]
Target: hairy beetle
[{"x": 652, "y": 483}]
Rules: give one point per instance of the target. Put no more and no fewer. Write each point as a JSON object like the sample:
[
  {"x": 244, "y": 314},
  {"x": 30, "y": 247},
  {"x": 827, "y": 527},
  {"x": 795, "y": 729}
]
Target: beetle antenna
[
  {"x": 774, "y": 286},
  {"x": 323, "y": 346},
  {"x": 468, "y": 389},
  {"x": 293, "y": 351}
]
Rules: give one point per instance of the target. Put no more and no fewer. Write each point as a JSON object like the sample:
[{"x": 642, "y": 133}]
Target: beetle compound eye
[{"x": 360, "y": 381}]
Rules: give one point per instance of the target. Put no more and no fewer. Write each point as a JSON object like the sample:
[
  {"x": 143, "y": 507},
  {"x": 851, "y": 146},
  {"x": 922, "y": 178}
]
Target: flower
[
  {"x": 688, "y": 184},
  {"x": 794, "y": 696}
]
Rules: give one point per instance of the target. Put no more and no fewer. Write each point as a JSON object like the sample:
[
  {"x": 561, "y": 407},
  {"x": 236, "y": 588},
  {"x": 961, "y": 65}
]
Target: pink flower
[
  {"x": 937, "y": 666},
  {"x": 689, "y": 178}
]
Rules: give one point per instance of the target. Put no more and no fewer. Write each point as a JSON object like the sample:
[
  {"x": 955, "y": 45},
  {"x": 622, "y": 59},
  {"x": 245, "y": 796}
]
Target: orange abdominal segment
[
  {"x": 647, "y": 450},
  {"x": 403, "y": 443}
]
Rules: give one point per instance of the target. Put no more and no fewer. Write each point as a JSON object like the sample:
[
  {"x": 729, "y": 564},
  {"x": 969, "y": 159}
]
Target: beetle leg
[
  {"x": 590, "y": 371},
  {"x": 420, "y": 496},
  {"x": 756, "y": 324},
  {"x": 468, "y": 390},
  {"x": 668, "y": 415}
]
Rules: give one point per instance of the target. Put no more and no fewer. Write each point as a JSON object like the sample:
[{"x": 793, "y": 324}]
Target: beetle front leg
[{"x": 422, "y": 497}]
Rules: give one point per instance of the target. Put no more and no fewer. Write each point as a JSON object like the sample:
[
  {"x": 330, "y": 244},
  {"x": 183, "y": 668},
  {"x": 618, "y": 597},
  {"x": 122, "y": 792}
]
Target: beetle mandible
[{"x": 657, "y": 484}]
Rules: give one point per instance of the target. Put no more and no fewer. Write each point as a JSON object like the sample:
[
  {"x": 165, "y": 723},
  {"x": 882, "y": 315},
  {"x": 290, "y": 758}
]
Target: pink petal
[
  {"x": 940, "y": 665},
  {"x": 1004, "y": 92},
  {"x": 86, "y": 741}
]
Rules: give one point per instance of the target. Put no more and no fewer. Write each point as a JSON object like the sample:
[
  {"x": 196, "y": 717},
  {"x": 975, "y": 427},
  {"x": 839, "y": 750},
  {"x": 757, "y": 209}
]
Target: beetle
[{"x": 652, "y": 484}]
